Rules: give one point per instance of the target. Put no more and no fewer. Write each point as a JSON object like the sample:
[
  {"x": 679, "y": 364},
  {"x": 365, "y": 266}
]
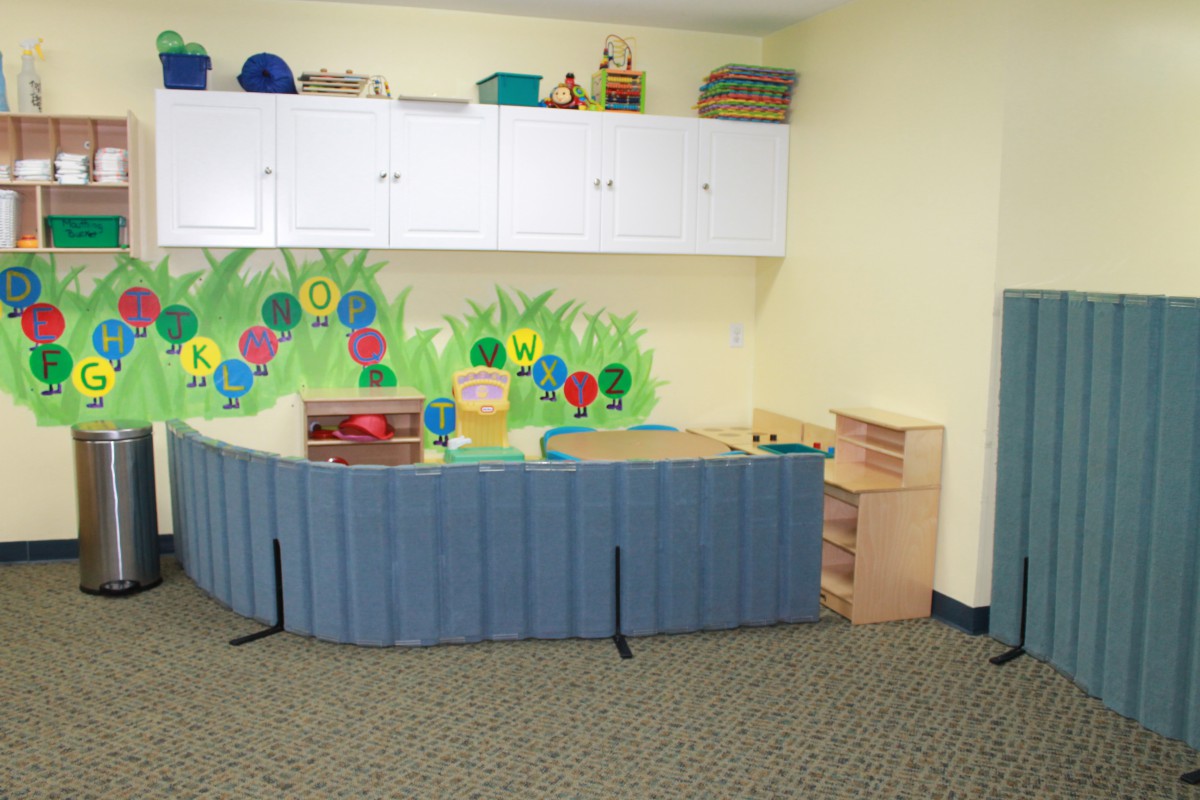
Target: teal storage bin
[
  {"x": 510, "y": 89},
  {"x": 474, "y": 455},
  {"x": 783, "y": 448},
  {"x": 184, "y": 71}
]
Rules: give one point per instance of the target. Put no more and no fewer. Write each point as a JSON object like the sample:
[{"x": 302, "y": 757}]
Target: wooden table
[{"x": 627, "y": 445}]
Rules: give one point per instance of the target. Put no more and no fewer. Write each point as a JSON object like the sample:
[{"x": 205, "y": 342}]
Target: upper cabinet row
[{"x": 260, "y": 170}]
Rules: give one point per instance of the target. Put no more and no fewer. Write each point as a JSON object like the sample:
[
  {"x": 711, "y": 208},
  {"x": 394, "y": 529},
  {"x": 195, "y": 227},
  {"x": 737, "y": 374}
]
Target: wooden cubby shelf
[
  {"x": 881, "y": 516},
  {"x": 43, "y": 136},
  {"x": 403, "y": 407}
]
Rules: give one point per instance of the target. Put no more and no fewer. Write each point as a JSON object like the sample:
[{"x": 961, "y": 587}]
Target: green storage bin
[
  {"x": 510, "y": 89},
  {"x": 783, "y": 448},
  {"x": 474, "y": 455},
  {"x": 85, "y": 230}
]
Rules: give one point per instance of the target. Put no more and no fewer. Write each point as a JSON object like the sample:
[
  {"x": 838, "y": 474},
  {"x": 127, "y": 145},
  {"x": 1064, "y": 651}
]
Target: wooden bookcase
[
  {"x": 26, "y": 136},
  {"x": 882, "y": 490},
  {"x": 403, "y": 406}
]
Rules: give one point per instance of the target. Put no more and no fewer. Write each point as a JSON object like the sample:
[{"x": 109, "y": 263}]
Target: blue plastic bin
[
  {"x": 510, "y": 89},
  {"x": 185, "y": 71}
]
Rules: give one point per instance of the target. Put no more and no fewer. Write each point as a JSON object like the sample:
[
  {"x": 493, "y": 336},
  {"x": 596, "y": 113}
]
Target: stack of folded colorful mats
[{"x": 742, "y": 91}]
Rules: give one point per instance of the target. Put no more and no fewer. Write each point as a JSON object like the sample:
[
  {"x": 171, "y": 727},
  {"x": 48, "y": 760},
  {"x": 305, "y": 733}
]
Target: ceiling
[{"x": 740, "y": 17}]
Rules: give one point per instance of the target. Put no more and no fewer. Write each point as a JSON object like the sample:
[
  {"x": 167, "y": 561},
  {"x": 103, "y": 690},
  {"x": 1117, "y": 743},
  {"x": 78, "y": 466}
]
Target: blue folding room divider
[
  {"x": 426, "y": 554},
  {"x": 1098, "y": 487}
]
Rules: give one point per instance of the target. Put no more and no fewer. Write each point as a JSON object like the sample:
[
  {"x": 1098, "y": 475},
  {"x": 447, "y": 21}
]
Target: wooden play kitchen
[
  {"x": 637, "y": 444},
  {"x": 882, "y": 488}
]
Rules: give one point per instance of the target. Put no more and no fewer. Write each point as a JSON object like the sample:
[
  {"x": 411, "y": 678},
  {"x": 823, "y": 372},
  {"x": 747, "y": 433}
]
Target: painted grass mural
[{"x": 145, "y": 343}]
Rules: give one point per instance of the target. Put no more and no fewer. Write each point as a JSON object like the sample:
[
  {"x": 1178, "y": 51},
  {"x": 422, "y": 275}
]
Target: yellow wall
[
  {"x": 101, "y": 59},
  {"x": 945, "y": 150},
  {"x": 886, "y": 296},
  {"x": 942, "y": 150},
  {"x": 1101, "y": 179}
]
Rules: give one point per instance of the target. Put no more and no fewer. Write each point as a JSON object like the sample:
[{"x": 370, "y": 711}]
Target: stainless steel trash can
[{"x": 118, "y": 514}]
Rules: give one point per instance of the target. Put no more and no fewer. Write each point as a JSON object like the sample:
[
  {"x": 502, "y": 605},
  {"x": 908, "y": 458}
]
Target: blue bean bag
[{"x": 266, "y": 72}]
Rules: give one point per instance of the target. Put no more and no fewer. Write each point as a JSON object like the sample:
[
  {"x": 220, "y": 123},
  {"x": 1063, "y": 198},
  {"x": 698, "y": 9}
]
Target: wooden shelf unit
[
  {"x": 882, "y": 491},
  {"x": 25, "y": 136},
  {"x": 402, "y": 405}
]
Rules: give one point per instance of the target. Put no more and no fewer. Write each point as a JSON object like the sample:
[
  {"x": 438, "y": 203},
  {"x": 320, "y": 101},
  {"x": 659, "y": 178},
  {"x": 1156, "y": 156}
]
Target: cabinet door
[
  {"x": 215, "y": 163},
  {"x": 549, "y": 179},
  {"x": 333, "y": 171},
  {"x": 743, "y": 197},
  {"x": 649, "y": 175},
  {"x": 443, "y": 176}
]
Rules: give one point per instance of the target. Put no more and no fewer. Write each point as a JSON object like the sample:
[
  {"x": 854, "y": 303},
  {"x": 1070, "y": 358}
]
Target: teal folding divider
[
  {"x": 1098, "y": 487},
  {"x": 425, "y": 554},
  {"x": 592, "y": 550},
  {"x": 637, "y": 524}
]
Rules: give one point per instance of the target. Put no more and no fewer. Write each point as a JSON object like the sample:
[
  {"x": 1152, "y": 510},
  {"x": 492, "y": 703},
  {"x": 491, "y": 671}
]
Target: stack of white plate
[
  {"x": 32, "y": 169},
  {"x": 71, "y": 169},
  {"x": 112, "y": 165},
  {"x": 5, "y": 172},
  {"x": 10, "y": 209}
]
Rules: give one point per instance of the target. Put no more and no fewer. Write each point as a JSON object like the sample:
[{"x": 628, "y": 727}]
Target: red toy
[{"x": 568, "y": 94}]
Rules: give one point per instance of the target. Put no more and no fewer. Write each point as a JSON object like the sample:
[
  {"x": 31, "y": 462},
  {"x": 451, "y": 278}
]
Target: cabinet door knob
[
  {"x": 705, "y": 187},
  {"x": 267, "y": 170},
  {"x": 396, "y": 175},
  {"x": 383, "y": 176},
  {"x": 596, "y": 182},
  {"x": 610, "y": 183}
]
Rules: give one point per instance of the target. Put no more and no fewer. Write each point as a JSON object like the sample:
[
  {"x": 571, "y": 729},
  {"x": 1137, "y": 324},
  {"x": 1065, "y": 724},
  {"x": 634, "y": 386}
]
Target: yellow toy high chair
[{"x": 481, "y": 398}]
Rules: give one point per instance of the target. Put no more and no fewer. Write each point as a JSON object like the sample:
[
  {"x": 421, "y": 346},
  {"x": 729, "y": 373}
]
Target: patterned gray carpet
[{"x": 143, "y": 697}]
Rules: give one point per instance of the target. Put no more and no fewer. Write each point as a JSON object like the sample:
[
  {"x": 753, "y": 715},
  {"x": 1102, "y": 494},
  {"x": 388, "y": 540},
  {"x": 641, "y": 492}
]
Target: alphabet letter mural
[{"x": 82, "y": 334}]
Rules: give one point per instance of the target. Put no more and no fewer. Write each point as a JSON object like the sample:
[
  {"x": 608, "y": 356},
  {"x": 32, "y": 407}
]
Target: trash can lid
[{"x": 107, "y": 430}]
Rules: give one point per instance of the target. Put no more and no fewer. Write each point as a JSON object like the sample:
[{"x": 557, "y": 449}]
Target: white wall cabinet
[
  {"x": 332, "y": 176},
  {"x": 743, "y": 197},
  {"x": 581, "y": 182},
  {"x": 260, "y": 170},
  {"x": 263, "y": 170},
  {"x": 641, "y": 184},
  {"x": 549, "y": 179},
  {"x": 443, "y": 176},
  {"x": 215, "y": 154},
  {"x": 648, "y": 171}
]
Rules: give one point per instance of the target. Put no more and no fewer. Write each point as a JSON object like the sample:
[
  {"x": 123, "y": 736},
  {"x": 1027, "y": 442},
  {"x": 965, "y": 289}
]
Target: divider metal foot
[
  {"x": 278, "y": 626},
  {"x": 618, "y": 637}
]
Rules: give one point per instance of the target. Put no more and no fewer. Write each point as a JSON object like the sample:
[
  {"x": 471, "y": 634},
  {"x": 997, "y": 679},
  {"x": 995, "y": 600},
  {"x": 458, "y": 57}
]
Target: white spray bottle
[
  {"x": 29, "y": 85},
  {"x": 3, "y": 88}
]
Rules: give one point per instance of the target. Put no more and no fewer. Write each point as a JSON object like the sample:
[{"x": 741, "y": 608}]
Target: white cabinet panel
[
  {"x": 743, "y": 199},
  {"x": 215, "y": 163},
  {"x": 333, "y": 171},
  {"x": 649, "y": 176},
  {"x": 261, "y": 170},
  {"x": 443, "y": 174},
  {"x": 549, "y": 179}
]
